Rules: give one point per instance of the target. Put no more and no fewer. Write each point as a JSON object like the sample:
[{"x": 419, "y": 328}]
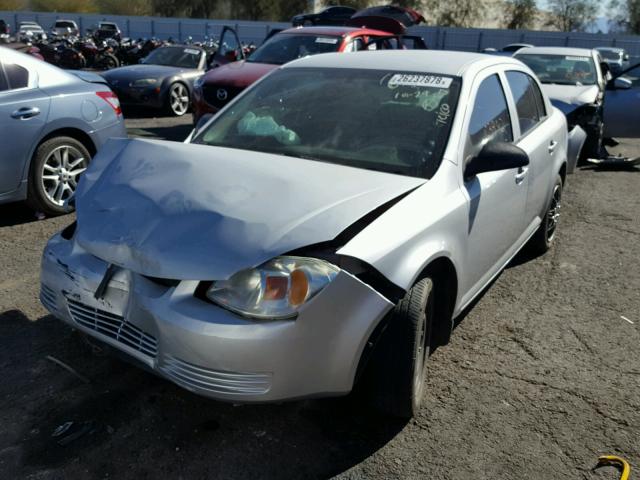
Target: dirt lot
[{"x": 542, "y": 375}]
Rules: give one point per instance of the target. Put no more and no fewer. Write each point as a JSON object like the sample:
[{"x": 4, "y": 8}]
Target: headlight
[
  {"x": 144, "y": 82},
  {"x": 274, "y": 290},
  {"x": 199, "y": 82}
]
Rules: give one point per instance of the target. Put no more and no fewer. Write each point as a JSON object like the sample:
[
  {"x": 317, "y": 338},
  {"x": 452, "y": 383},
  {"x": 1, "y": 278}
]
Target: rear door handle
[
  {"x": 26, "y": 112},
  {"x": 552, "y": 146},
  {"x": 522, "y": 172}
]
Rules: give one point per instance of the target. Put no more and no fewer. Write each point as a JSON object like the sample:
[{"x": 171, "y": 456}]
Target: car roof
[
  {"x": 338, "y": 31},
  {"x": 611, "y": 49},
  {"x": 432, "y": 61},
  {"x": 578, "y": 52}
]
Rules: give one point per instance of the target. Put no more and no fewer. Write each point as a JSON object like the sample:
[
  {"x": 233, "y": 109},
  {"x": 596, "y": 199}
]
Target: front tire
[
  {"x": 543, "y": 238},
  {"x": 178, "y": 99},
  {"x": 54, "y": 174},
  {"x": 397, "y": 370}
]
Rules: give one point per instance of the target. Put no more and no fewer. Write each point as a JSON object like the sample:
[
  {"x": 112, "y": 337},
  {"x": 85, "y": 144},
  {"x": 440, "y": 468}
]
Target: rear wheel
[
  {"x": 397, "y": 371},
  {"x": 54, "y": 174},
  {"x": 178, "y": 99},
  {"x": 546, "y": 233}
]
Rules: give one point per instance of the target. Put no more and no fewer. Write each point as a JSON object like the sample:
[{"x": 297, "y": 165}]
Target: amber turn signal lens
[{"x": 299, "y": 288}]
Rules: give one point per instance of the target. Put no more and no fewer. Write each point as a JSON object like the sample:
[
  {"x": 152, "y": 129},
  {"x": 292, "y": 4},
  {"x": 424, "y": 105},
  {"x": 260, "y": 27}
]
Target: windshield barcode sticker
[
  {"x": 191, "y": 51},
  {"x": 412, "y": 80},
  {"x": 577, "y": 59},
  {"x": 331, "y": 41}
]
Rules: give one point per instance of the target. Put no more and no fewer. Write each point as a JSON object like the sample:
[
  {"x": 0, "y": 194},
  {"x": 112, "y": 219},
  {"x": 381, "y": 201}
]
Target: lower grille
[
  {"x": 48, "y": 298},
  {"x": 193, "y": 376},
  {"x": 113, "y": 326}
]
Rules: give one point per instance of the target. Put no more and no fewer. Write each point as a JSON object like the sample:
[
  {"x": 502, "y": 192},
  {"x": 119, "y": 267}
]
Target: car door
[
  {"x": 622, "y": 105},
  {"x": 496, "y": 200},
  {"x": 537, "y": 137},
  {"x": 23, "y": 112},
  {"x": 229, "y": 48}
]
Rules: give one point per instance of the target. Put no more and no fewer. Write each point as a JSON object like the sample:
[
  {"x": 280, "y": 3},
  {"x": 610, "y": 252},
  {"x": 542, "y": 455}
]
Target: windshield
[
  {"x": 107, "y": 26},
  {"x": 388, "y": 121},
  {"x": 561, "y": 69},
  {"x": 65, "y": 25},
  {"x": 283, "y": 48},
  {"x": 174, "y": 57}
]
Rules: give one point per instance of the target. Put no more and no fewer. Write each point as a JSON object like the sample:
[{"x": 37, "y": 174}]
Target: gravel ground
[{"x": 541, "y": 376}]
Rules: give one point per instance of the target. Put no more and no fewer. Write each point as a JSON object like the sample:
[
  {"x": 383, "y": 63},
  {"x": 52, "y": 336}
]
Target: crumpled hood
[
  {"x": 569, "y": 97},
  {"x": 185, "y": 211},
  {"x": 238, "y": 74}
]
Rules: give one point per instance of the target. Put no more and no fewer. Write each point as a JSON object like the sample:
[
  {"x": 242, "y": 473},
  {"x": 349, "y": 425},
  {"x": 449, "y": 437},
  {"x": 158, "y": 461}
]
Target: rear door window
[
  {"x": 3, "y": 81},
  {"x": 528, "y": 101},
  {"x": 17, "y": 76}
]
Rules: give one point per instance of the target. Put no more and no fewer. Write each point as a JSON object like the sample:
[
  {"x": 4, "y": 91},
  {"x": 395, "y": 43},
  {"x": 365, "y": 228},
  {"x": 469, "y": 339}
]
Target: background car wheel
[
  {"x": 178, "y": 99},
  {"x": 397, "y": 370},
  {"x": 54, "y": 173},
  {"x": 308, "y": 23},
  {"x": 546, "y": 233},
  {"x": 108, "y": 62}
]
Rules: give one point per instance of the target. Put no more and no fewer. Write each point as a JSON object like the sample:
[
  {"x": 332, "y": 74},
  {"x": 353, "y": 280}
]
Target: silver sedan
[
  {"x": 51, "y": 123},
  {"x": 319, "y": 233}
]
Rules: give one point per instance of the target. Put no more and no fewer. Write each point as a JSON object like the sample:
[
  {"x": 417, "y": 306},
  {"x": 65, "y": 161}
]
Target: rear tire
[
  {"x": 397, "y": 370},
  {"x": 54, "y": 173},
  {"x": 543, "y": 238}
]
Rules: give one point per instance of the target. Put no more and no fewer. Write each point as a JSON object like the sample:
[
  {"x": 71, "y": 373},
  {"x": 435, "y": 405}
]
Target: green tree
[
  {"x": 70, "y": 6},
  {"x": 572, "y": 15},
  {"x": 456, "y": 13},
  {"x": 12, "y": 4},
  {"x": 520, "y": 14},
  {"x": 626, "y": 15},
  {"x": 124, "y": 7}
]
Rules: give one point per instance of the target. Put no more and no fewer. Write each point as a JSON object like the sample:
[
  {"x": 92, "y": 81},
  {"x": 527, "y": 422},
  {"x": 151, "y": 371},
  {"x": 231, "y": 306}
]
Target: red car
[{"x": 220, "y": 85}]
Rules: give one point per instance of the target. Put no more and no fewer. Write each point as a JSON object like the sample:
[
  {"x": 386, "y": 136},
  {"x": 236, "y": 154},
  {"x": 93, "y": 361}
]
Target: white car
[
  {"x": 322, "y": 230},
  {"x": 30, "y": 32},
  {"x": 575, "y": 80}
]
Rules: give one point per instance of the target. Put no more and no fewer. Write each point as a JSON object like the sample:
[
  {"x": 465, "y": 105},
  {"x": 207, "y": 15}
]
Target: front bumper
[
  {"x": 144, "y": 96},
  {"x": 207, "y": 349}
]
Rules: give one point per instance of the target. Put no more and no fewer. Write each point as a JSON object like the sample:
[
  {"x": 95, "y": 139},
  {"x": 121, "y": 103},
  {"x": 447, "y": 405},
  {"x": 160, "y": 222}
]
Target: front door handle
[
  {"x": 552, "y": 146},
  {"x": 26, "y": 112},
  {"x": 522, "y": 172}
]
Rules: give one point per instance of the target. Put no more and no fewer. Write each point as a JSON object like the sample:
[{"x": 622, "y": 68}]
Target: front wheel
[
  {"x": 54, "y": 174},
  {"x": 178, "y": 100},
  {"x": 398, "y": 368},
  {"x": 546, "y": 233},
  {"x": 107, "y": 62}
]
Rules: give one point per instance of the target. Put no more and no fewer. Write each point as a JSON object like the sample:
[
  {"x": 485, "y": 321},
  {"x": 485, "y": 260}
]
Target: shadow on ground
[
  {"x": 130, "y": 422},
  {"x": 16, "y": 213}
]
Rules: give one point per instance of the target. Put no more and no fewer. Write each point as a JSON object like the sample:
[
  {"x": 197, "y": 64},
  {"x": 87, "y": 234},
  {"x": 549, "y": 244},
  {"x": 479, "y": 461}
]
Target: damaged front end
[
  {"x": 586, "y": 127},
  {"x": 224, "y": 278}
]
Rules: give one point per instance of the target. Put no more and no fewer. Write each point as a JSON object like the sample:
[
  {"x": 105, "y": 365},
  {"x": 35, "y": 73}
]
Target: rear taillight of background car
[{"x": 112, "y": 99}]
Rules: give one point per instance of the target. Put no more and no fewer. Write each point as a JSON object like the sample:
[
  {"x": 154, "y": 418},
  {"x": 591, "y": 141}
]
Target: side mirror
[
  {"x": 622, "y": 83},
  {"x": 496, "y": 156}
]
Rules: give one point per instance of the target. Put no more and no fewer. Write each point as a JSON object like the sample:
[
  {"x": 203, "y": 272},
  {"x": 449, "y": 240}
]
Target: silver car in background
[
  {"x": 320, "y": 232},
  {"x": 51, "y": 123}
]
